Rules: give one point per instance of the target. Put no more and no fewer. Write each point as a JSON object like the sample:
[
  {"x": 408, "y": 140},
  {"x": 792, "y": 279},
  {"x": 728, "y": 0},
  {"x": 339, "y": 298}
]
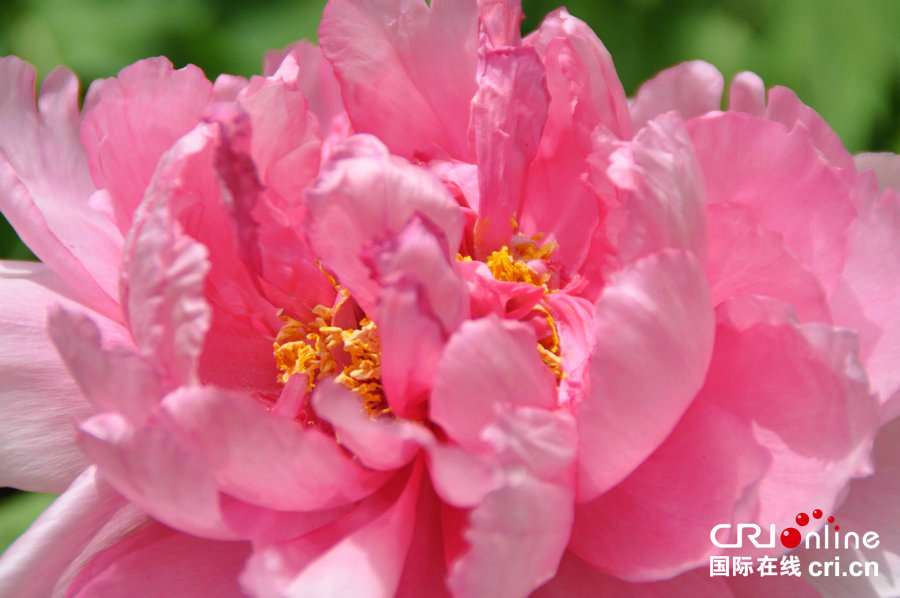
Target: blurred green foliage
[
  {"x": 17, "y": 513},
  {"x": 843, "y": 59}
]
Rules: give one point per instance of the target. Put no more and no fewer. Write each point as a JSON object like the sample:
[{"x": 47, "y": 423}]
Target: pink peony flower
[{"x": 434, "y": 311}]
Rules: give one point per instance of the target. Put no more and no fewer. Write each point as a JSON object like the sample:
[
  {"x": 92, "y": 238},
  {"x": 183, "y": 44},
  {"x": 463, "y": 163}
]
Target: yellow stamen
[
  {"x": 314, "y": 349},
  {"x": 513, "y": 267},
  {"x": 506, "y": 267}
]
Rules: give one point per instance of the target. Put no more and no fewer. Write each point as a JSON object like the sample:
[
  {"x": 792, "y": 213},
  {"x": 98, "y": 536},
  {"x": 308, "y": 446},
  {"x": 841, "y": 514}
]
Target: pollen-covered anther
[{"x": 319, "y": 349}]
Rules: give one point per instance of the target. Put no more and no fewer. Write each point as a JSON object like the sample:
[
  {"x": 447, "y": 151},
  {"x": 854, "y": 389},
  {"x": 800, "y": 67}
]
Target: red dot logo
[
  {"x": 817, "y": 513},
  {"x": 790, "y": 537},
  {"x": 830, "y": 519},
  {"x": 802, "y": 519}
]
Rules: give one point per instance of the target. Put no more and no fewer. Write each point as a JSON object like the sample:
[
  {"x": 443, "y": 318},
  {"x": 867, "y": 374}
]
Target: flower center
[
  {"x": 513, "y": 266},
  {"x": 319, "y": 348}
]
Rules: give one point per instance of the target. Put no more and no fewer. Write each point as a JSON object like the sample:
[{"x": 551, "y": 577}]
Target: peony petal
[
  {"x": 557, "y": 202},
  {"x": 747, "y": 94},
  {"x": 251, "y": 227},
  {"x": 41, "y": 403},
  {"x": 518, "y": 534},
  {"x": 664, "y": 197},
  {"x": 365, "y": 196},
  {"x": 867, "y": 298},
  {"x": 419, "y": 251},
  {"x": 159, "y": 561},
  {"x": 381, "y": 444},
  {"x": 39, "y": 558},
  {"x": 372, "y": 542},
  {"x": 138, "y": 115},
  {"x": 776, "y": 174},
  {"x": 574, "y": 319},
  {"x": 885, "y": 164},
  {"x": 602, "y": 101},
  {"x": 691, "y": 88},
  {"x": 785, "y": 107},
  {"x": 577, "y": 579},
  {"x": 285, "y": 144},
  {"x": 508, "y": 115},
  {"x": 266, "y": 459},
  {"x": 163, "y": 291},
  {"x": 747, "y": 260},
  {"x": 45, "y": 184},
  {"x": 411, "y": 343},
  {"x": 639, "y": 533},
  {"x": 425, "y": 570},
  {"x": 149, "y": 467},
  {"x": 315, "y": 79},
  {"x": 461, "y": 478},
  {"x": 112, "y": 379},
  {"x": 659, "y": 309},
  {"x": 806, "y": 396},
  {"x": 871, "y": 504},
  {"x": 406, "y": 69},
  {"x": 486, "y": 364}
]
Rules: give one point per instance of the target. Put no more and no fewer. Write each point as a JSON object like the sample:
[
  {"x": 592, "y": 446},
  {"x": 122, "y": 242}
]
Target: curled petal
[
  {"x": 664, "y": 201},
  {"x": 406, "y": 69},
  {"x": 508, "y": 115},
  {"x": 364, "y": 196},
  {"x": 690, "y": 88},
  {"x": 135, "y": 117}
]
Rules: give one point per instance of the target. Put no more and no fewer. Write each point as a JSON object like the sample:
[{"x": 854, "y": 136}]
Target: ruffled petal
[
  {"x": 162, "y": 289},
  {"x": 602, "y": 100},
  {"x": 508, "y": 115},
  {"x": 137, "y": 116},
  {"x": 158, "y": 562},
  {"x": 664, "y": 201},
  {"x": 41, "y": 403},
  {"x": 315, "y": 79},
  {"x": 364, "y": 196},
  {"x": 45, "y": 184},
  {"x": 516, "y": 537},
  {"x": 782, "y": 181},
  {"x": 785, "y": 107},
  {"x": 407, "y": 69},
  {"x": 868, "y": 297},
  {"x": 806, "y": 396},
  {"x": 284, "y": 143},
  {"x": 266, "y": 459},
  {"x": 659, "y": 308},
  {"x": 488, "y": 363},
  {"x": 691, "y": 88},
  {"x": 747, "y": 260}
]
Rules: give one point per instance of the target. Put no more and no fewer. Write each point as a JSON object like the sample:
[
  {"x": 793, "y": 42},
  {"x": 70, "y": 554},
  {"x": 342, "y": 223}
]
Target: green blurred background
[{"x": 843, "y": 59}]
